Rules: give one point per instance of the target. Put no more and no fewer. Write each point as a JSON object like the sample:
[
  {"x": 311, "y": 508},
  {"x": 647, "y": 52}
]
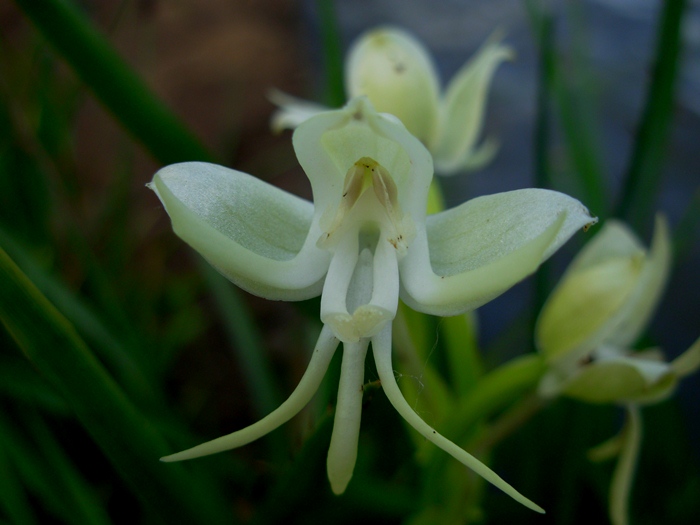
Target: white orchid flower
[
  {"x": 363, "y": 243},
  {"x": 397, "y": 74},
  {"x": 585, "y": 331}
]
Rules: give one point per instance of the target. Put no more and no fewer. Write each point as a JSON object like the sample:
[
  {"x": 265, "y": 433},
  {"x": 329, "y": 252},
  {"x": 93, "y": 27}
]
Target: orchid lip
[{"x": 368, "y": 217}]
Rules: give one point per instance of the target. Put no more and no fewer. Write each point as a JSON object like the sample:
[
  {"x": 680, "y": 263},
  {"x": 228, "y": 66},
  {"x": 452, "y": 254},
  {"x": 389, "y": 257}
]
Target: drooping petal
[
  {"x": 292, "y": 111},
  {"x": 462, "y": 110},
  {"x": 396, "y": 73},
  {"x": 342, "y": 453},
  {"x": 470, "y": 254},
  {"x": 309, "y": 383},
  {"x": 258, "y": 236},
  {"x": 381, "y": 348}
]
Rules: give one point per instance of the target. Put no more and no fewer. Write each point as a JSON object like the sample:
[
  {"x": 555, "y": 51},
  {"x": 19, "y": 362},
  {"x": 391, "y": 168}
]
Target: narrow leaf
[
  {"x": 113, "y": 82},
  {"x": 127, "y": 438},
  {"x": 641, "y": 182}
]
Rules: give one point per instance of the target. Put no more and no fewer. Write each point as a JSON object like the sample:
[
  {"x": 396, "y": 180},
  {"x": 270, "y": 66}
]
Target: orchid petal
[
  {"x": 396, "y": 73},
  {"x": 307, "y": 387},
  {"x": 342, "y": 452},
  {"x": 621, "y": 379},
  {"x": 652, "y": 282},
  {"x": 258, "y": 236},
  {"x": 462, "y": 111},
  {"x": 381, "y": 348},
  {"x": 471, "y": 160},
  {"x": 576, "y": 317},
  {"x": 470, "y": 254},
  {"x": 328, "y": 145},
  {"x": 607, "y": 294},
  {"x": 292, "y": 111},
  {"x": 614, "y": 240}
]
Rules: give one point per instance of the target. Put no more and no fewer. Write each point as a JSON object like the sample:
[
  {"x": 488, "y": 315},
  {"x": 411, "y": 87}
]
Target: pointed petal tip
[
  {"x": 172, "y": 458},
  {"x": 381, "y": 346}
]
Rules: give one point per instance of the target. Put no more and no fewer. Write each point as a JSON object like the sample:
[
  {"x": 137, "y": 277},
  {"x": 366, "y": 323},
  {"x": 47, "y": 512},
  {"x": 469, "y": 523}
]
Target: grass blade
[
  {"x": 113, "y": 82},
  {"x": 641, "y": 182},
  {"x": 126, "y": 437},
  {"x": 334, "y": 94}
]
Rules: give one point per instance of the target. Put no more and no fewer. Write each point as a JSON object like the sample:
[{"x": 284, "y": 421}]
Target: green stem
[
  {"x": 495, "y": 390},
  {"x": 332, "y": 54}
]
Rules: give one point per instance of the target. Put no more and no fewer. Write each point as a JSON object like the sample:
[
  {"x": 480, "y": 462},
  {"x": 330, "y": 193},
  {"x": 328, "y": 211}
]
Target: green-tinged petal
[
  {"x": 606, "y": 296},
  {"x": 256, "y": 235},
  {"x": 472, "y": 160},
  {"x": 613, "y": 240},
  {"x": 292, "y": 111},
  {"x": 622, "y": 379},
  {"x": 329, "y": 144},
  {"x": 396, "y": 73},
  {"x": 309, "y": 383},
  {"x": 470, "y": 254},
  {"x": 462, "y": 111},
  {"x": 652, "y": 282},
  {"x": 576, "y": 317}
]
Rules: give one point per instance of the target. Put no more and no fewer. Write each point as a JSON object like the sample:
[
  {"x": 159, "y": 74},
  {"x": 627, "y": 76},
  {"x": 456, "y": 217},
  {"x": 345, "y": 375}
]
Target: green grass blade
[
  {"x": 113, "y": 82},
  {"x": 462, "y": 351},
  {"x": 13, "y": 498},
  {"x": 126, "y": 437},
  {"x": 111, "y": 349},
  {"x": 640, "y": 185},
  {"x": 242, "y": 334},
  {"x": 573, "y": 113},
  {"x": 250, "y": 354},
  {"x": 20, "y": 383},
  {"x": 334, "y": 94},
  {"x": 83, "y": 504},
  {"x": 686, "y": 232},
  {"x": 495, "y": 391}
]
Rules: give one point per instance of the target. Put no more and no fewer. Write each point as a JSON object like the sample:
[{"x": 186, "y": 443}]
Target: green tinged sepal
[
  {"x": 598, "y": 310},
  {"x": 397, "y": 74}
]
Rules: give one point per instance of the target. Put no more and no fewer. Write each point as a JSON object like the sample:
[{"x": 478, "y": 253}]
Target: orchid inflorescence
[{"x": 586, "y": 331}]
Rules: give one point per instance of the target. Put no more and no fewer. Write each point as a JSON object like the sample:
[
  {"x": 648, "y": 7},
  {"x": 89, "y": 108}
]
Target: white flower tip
[
  {"x": 339, "y": 479},
  {"x": 593, "y": 221},
  {"x": 366, "y": 321},
  {"x": 172, "y": 458}
]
